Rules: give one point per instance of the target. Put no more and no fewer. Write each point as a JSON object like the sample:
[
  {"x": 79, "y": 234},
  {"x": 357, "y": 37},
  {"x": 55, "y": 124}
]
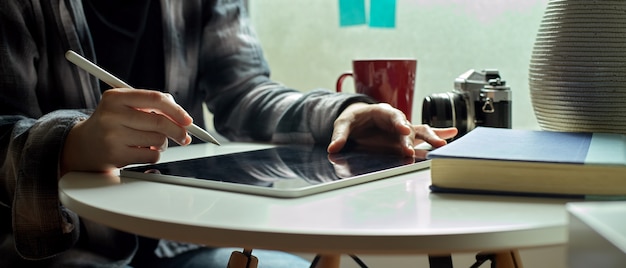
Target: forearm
[
  {"x": 246, "y": 104},
  {"x": 274, "y": 113},
  {"x": 311, "y": 117},
  {"x": 30, "y": 172}
]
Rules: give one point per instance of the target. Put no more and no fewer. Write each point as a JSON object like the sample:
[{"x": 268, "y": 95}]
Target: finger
[
  {"x": 336, "y": 159},
  {"x": 403, "y": 128},
  {"x": 119, "y": 155},
  {"x": 341, "y": 132},
  {"x": 402, "y": 125},
  {"x": 162, "y": 147},
  {"x": 446, "y": 133},
  {"x": 391, "y": 118},
  {"x": 156, "y": 123},
  {"x": 434, "y": 136},
  {"x": 394, "y": 119},
  {"x": 383, "y": 142},
  {"x": 170, "y": 97},
  {"x": 149, "y": 100},
  {"x": 146, "y": 139},
  {"x": 427, "y": 134},
  {"x": 407, "y": 146}
]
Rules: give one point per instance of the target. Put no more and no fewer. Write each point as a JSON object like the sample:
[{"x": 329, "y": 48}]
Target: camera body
[{"x": 478, "y": 99}]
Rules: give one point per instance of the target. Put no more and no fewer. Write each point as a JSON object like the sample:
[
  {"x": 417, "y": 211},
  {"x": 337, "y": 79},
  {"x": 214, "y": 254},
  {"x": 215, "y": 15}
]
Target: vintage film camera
[{"x": 478, "y": 99}]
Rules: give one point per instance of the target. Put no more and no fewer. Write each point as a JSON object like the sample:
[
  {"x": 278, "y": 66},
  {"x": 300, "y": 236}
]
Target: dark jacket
[{"x": 211, "y": 57}]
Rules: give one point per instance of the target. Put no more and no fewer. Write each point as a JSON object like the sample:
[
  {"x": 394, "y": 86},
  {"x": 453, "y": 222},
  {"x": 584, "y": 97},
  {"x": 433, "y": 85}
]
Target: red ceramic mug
[{"x": 385, "y": 80}]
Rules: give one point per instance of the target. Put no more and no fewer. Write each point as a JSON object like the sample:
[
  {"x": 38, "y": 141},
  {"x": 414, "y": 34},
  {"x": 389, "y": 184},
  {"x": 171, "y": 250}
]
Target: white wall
[{"x": 307, "y": 49}]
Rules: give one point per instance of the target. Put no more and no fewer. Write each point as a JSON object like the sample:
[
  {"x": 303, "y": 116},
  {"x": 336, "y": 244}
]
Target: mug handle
[{"x": 340, "y": 80}]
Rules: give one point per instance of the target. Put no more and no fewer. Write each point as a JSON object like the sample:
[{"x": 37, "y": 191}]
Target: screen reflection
[{"x": 289, "y": 166}]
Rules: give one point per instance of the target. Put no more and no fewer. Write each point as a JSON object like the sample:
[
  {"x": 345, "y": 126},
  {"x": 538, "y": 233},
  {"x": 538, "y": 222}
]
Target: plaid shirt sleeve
[
  {"x": 41, "y": 225},
  {"x": 247, "y": 105}
]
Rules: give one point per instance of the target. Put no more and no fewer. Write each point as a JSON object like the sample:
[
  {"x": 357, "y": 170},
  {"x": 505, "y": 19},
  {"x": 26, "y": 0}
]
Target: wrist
[{"x": 71, "y": 152}]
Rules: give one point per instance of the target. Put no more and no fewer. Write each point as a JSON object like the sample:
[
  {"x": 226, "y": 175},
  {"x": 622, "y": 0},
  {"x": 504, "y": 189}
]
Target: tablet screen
[{"x": 283, "y": 171}]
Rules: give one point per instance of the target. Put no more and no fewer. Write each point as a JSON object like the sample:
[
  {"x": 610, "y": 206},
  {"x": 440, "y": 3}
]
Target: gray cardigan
[{"x": 211, "y": 56}]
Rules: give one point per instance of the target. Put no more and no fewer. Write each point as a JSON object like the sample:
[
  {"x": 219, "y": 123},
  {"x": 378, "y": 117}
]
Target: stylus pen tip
[{"x": 202, "y": 134}]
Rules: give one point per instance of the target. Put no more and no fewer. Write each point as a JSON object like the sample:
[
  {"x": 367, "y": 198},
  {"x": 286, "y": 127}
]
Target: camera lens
[{"x": 447, "y": 109}]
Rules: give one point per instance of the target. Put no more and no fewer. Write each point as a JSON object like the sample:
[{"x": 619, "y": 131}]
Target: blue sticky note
[
  {"x": 383, "y": 13},
  {"x": 351, "y": 12}
]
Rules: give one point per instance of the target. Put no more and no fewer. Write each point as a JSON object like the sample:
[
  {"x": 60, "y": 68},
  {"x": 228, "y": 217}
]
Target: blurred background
[{"x": 306, "y": 47}]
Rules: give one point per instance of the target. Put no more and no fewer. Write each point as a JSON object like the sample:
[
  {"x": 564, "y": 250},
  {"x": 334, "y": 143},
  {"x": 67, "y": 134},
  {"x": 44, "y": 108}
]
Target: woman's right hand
[{"x": 129, "y": 126}]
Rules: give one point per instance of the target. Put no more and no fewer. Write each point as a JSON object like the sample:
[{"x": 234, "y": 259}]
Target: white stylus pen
[{"x": 115, "y": 82}]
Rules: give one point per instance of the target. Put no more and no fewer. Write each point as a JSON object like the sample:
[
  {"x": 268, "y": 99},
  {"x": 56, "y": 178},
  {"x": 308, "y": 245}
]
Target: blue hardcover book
[{"x": 528, "y": 162}]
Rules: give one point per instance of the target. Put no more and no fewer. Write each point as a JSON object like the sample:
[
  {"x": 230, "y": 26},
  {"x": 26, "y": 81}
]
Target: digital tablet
[{"x": 283, "y": 171}]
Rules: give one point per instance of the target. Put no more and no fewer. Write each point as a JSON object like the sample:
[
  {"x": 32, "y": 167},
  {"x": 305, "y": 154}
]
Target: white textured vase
[{"x": 578, "y": 67}]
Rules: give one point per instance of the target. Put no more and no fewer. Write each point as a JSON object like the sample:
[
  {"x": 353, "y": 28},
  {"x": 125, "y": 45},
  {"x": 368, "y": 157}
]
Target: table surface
[
  {"x": 394, "y": 215},
  {"x": 604, "y": 218}
]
